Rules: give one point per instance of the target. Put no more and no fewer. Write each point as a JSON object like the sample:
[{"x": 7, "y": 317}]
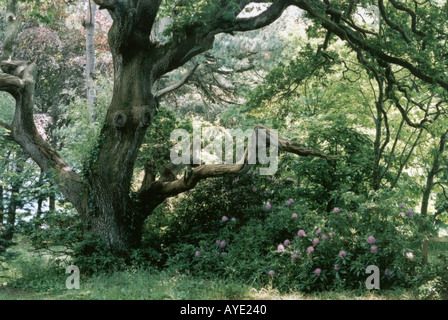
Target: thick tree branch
[
  {"x": 11, "y": 84},
  {"x": 174, "y": 55},
  {"x": 391, "y": 24},
  {"x": 146, "y": 15},
  {"x": 194, "y": 175},
  {"x": 177, "y": 85},
  {"x": 426, "y": 74},
  {"x": 24, "y": 132},
  {"x": 401, "y": 7},
  {"x": 268, "y": 16},
  {"x": 198, "y": 40}
]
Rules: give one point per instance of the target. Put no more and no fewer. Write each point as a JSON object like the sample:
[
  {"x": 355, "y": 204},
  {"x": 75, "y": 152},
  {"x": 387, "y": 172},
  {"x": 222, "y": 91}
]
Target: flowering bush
[
  {"x": 287, "y": 244},
  {"x": 342, "y": 244}
]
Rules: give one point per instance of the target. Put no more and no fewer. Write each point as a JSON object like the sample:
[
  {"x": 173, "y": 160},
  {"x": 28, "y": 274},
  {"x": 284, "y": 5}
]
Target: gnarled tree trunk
[{"x": 102, "y": 194}]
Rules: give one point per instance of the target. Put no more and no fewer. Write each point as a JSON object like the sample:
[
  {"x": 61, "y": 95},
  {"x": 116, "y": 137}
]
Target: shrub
[
  {"x": 92, "y": 255},
  {"x": 334, "y": 253},
  {"x": 38, "y": 274}
]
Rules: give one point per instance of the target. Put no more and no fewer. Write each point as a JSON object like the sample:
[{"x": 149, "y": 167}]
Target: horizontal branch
[
  {"x": 194, "y": 175},
  {"x": 272, "y": 13},
  {"x": 177, "y": 85}
]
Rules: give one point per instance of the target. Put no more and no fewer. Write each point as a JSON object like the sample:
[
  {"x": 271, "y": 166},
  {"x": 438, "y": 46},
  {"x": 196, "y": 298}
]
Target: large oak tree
[{"x": 102, "y": 194}]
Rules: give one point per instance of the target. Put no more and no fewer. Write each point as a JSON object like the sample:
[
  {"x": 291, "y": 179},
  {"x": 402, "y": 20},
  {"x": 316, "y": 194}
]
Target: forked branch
[{"x": 193, "y": 175}]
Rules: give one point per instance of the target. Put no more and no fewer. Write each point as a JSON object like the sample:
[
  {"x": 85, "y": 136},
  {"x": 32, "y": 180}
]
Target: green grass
[
  {"x": 151, "y": 285},
  {"x": 37, "y": 279},
  {"x": 32, "y": 277},
  {"x": 135, "y": 285}
]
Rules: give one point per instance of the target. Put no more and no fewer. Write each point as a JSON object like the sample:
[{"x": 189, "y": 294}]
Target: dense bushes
[
  {"x": 253, "y": 229},
  {"x": 259, "y": 231},
  {"x": 265, "y": 231}
]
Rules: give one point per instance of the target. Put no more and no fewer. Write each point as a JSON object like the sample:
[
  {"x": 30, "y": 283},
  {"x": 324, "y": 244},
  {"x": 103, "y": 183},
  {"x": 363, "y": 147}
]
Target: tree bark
[
  {"x": 40, "y": 198},
  {"x": 52, "y": 203},
  {"x": 2, "y": 208},
  {"x": 432, "y": 174},
  {"x": 13, "y": 202},
  {"x": 89, "y": 26}
]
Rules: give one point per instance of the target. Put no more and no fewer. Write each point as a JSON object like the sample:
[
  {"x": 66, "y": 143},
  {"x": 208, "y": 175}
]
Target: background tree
[{"x": 89, "y": 26}]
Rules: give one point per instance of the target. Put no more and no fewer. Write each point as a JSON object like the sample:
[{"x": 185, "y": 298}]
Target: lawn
[
  {"x": 37, "y": 277},
  {"x": 150, "y": 285}
]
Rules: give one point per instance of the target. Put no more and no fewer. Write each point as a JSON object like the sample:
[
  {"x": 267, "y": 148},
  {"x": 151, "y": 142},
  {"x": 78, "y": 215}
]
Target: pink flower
[
  {"x": 317, "y": 272},
  {"x": 402, "y": 205},
  {"x": 233, "y": 219},
  {"x": 268, "y": 206},
  {"x": 324, "y": 237},
  {"x": 310, "y": 250},
  {"x": 337, "y": 267},
  {"x": 401, "y": 214},
  {"x": 318, "y": 232},
  {"x": 301, "y": 233},
  {"x": 294, "y": 256},
  {"x": 286, "y": 243},
  {"x": 373, "y": 249},
  {"x": 218, "y": 242},
  {"x": 342, "y": 254},
  {"x": 316, "y": 241},
  {"x": 294, "y": 215},
  {"x": 410, "y": 213},
  {"x": 336, "y": 209},
  {"x": 289, "y": 202},
  {"x": 280, "y": 248},
  {"x": 331, "y": 234},
  {"x": 371, "y": 240},
  {"x": 197, "y": 254},
  {"x": 271, "y": 272},
  {"x": 223, "y": 244},
  {"x": 224, "y": 218},
  {"x": 409, "y": 255}
]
